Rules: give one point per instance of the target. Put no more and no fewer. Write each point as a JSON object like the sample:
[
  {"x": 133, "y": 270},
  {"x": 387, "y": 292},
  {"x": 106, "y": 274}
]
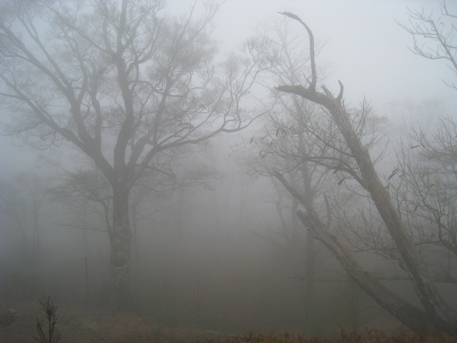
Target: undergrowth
[
  {"x": 51, "y": 315},
  {"x": 370, "y": 336}
]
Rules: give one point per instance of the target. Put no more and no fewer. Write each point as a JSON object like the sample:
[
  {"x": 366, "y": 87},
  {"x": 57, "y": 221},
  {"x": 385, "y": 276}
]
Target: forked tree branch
[{"x": 312, "y": 85}]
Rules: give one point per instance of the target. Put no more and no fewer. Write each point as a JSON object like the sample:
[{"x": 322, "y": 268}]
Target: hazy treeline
[{"x": 233, "y": 196}]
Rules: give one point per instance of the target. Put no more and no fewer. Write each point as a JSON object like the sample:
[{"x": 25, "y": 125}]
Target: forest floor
[{"x": 84, "y": 324}]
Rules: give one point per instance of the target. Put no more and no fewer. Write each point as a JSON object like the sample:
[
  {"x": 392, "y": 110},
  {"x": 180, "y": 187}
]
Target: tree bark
[{"x": 121, "y": 237}]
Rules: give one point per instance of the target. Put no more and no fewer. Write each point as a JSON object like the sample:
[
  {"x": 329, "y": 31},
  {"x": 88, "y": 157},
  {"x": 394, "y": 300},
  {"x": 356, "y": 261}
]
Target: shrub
[{"x": 50, "y": 311}]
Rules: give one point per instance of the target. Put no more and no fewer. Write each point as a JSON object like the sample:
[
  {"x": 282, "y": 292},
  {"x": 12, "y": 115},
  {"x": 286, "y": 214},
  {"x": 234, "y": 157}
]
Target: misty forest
[{"x": 173, "y": 187}]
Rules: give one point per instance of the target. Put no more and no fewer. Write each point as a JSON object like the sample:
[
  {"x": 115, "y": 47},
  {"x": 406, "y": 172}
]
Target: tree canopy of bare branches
[
  {"x": 434, "y": 36},
  {"x": 126, "y": 86},
  {"x": 351, "y": 159}
]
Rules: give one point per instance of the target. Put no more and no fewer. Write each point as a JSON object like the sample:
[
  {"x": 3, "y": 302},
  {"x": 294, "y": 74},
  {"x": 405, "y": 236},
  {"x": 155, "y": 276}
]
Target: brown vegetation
[
  {"x": 371, "y": 336},
  {"x": 100, "y": 325}
]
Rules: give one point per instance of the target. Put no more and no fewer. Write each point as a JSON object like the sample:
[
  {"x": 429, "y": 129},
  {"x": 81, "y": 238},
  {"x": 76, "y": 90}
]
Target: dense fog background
[{"x": 214, "y": 253}]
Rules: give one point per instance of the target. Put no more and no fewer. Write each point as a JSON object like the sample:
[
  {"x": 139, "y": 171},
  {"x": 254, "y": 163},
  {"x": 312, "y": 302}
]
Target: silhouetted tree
[
  {"x": 348, "y": 157},
  {"x": 434, "y": 36},
  {"x": 292, "y": 138},
  {"x": 433, "y": 181},
  {"x": 124, "y": 85},
  {"x": 86, "y": 195}
]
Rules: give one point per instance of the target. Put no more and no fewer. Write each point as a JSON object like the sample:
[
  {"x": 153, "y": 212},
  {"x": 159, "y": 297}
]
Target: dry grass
[
  {"x": 84, "y": 324},
  {"x": 371, "y": 336}
]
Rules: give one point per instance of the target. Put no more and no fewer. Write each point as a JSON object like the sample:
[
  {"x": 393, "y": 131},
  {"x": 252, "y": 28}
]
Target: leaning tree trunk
[
  {"x": 408, "y": 314},
  {"x": 440, "y": 316},
  {"x": 121, "y": 237}
]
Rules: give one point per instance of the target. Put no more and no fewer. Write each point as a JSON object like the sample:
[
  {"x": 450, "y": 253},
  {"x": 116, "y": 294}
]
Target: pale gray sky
[{"x": 364, "y": 48}]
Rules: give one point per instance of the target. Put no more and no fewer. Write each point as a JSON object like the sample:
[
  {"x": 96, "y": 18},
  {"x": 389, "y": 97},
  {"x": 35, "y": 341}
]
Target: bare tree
[
  {"x": 21, "y": 203},
  {"x": 24, "y": 202},
  {"x": 87, "y": 197},
  {"x": 283, "y": 144},
  {"x": 422, "y": 188},
  {"x": 432, "y": 174},
  {"x": 353, "y": 162},
  {"x": 125, "y": 86},
  {"x": 434, "y": 36},
  {"x": 432, "y": 177}
]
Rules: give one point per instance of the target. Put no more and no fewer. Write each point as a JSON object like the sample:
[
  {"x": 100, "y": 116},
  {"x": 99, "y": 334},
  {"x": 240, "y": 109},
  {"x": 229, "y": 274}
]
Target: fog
[{"x": 216, "y": 243}]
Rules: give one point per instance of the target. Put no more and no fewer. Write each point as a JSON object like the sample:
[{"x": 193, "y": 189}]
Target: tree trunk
[
  {"x": 310, "y": 251},
  {"x": 408, "y": 314},
  {"x": 121, "y": 237},
  {"x": 425, "y": 288},
  {"x": 440, "y": 316},
  {"x": 309, "y": 281}
]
